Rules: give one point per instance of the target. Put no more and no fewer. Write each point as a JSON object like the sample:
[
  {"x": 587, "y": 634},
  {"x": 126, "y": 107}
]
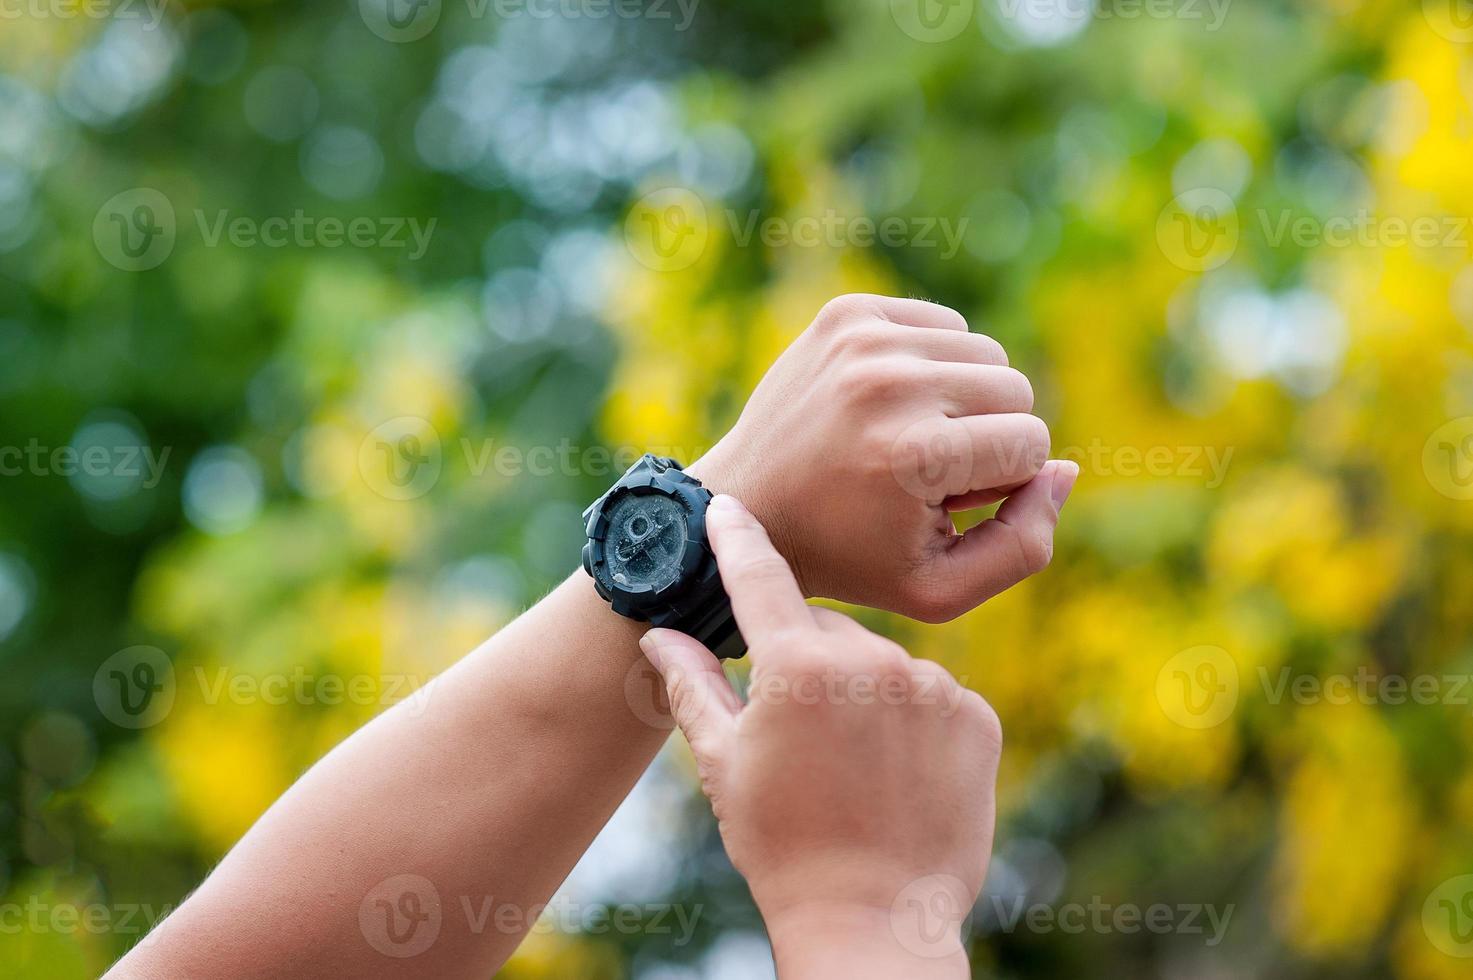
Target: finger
[
  {"x": 952, "y": 345},
  {"x": 701, "y": 700},
  {"x": 1017, "y": 543},
  {"x": 921, "y": 313},
  {"x": 941, "y": 458},
  {"x": 764, "y": 595},
  {"x": 831, "y": 620},
  {"x": 980, "y": 389}
]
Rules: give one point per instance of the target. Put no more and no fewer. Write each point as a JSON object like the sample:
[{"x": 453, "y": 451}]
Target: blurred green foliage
[{"x": 623, "y": 219}]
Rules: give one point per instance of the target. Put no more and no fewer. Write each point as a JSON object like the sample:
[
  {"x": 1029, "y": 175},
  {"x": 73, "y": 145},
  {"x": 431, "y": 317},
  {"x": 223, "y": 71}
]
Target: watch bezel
[{"x": 644, "y": 479}]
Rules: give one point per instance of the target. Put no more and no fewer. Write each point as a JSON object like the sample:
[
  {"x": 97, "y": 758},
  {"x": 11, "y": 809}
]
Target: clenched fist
[{"x": 881, "y": 419}]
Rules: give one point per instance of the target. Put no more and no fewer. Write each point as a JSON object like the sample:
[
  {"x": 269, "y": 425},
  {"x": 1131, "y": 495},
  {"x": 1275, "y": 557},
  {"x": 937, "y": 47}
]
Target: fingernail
[
  {"x": 650, "y": 644},
  {"x": 1064, "y": 476},
  {"x": 727, "y": 503}
]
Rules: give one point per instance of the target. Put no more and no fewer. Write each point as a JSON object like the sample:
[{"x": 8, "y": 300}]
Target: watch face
[{"x": 645, "y": 542}]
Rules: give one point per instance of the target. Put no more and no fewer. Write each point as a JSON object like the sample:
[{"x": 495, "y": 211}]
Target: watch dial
[{"x": 645, "y": 542}]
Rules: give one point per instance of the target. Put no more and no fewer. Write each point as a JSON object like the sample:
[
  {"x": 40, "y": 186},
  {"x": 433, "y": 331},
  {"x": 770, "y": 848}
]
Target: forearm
[{"x": 488, "y": 785}]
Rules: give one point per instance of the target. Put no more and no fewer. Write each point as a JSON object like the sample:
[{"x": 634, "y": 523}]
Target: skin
[
  {"x": 854, "y": 791},
  {"x": 490, "y": 783}
]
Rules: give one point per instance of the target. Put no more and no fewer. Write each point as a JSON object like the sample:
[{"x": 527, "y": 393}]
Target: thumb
[
  {"x": 1016, "y": 543},
  {"x": 701, "y": 699}
]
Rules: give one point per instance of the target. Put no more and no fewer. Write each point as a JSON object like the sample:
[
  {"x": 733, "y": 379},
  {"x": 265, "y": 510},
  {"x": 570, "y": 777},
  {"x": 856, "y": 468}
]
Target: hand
[
  {"x": 855, "y": 790},
  {"x": 884, "y": 416}
]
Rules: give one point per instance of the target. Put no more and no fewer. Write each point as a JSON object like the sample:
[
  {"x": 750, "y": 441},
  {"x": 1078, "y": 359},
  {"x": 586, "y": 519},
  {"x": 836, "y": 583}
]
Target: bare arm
[{"x": 491, "y": 782}]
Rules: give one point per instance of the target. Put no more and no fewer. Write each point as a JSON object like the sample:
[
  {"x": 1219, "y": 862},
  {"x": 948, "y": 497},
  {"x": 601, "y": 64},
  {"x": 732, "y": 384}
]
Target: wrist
[
  {"x": 723, "y": 471},
  {"x": 823, "y": 939}
]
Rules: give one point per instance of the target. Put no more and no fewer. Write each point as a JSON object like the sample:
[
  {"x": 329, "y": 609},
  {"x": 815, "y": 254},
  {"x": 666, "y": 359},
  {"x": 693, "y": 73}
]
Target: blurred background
[{"x": 320, "y": 323}]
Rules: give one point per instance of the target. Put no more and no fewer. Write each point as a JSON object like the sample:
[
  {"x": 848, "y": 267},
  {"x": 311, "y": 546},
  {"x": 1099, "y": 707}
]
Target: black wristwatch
[{"x": 650, "y": 559}]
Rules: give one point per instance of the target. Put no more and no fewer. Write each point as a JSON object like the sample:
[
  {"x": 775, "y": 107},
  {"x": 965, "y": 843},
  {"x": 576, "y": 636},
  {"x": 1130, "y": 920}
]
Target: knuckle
[
  {"x": 993, "y": 351},
  {"x": 984, "y": 716},
  {"x": 1036, "y": 548},
  {"x": 1037, "y": 434},
  {"x": 958, "y": 321},
  {"x": 862, "y": 340},
  {"x": 1020, "y": 389},
  {"x": 845, "y": 309},
  {"x": 877, "y": 380},
  {"x": 924, "y": 671},
  {"x": 886, "y": 662}
]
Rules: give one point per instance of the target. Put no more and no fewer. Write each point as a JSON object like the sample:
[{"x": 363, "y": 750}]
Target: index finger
[{"x": 765, "y": 597}]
